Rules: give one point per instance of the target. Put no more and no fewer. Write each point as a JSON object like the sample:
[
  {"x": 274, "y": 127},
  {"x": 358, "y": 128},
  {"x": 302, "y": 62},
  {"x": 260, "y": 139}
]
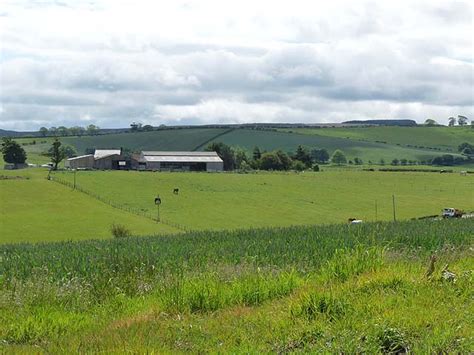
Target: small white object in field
[
  {"x": 356, "y": 221},
  {"x": 448, "y": 275}
]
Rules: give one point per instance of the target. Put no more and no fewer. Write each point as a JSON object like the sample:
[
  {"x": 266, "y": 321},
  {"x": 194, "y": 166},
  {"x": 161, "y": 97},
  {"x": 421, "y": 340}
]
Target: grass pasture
[
  {"x": 232, "y": 201},
  {"x": 33, "y": 209},
  {"x": 302, "y": 288}
]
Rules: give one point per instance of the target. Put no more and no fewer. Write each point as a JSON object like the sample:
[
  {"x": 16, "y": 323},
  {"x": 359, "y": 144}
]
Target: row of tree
[
  {"x": 62, "y": 131},
  {"x": 303, "y": 158},
  {"x": 460, "y": 120}
]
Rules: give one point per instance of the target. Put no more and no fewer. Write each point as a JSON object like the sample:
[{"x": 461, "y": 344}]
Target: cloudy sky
[{"x": 195, "y": 62}]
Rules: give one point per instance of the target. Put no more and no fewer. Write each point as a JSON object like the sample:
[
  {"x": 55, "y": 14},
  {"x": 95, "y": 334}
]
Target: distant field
[
  {"x": 270, "y": 140},
  {"x": 445, "y": 138},
  {"x": 412, "y": 143},
  {"x": 176, "y": 139},
  {"x": 37, "y": 210},
  {"x": 230, "y": 201}
]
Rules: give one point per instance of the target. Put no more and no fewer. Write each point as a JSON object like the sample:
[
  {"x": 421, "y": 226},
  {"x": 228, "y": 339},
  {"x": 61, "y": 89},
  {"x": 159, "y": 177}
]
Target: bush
[
  {"x": 120, "y": 231},
  {"x": 298, "y": 165},
  {"x": 316, "y": 167}
]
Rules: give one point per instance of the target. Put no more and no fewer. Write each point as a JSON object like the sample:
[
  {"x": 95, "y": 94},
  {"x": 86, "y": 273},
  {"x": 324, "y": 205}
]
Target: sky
[{"x": 176, "y": 62}]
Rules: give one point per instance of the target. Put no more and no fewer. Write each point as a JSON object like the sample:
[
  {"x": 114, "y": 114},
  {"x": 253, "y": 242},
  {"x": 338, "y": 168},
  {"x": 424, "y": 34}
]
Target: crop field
[
  {"x": 289, "y": 141},
  {"x": 230, "y": 201},
  {"x": 33, "y": 209},
  {"x": 176, "y": 139},
  {"x": 337, "y": 288},
  {"x": 445, "y": 138}
]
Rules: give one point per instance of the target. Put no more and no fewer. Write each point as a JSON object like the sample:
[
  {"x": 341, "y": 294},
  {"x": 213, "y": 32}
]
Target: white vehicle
[{"x": 451, "y": 213}]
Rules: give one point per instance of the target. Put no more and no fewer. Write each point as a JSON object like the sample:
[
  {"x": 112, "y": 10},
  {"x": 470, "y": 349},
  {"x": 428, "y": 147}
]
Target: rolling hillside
[
  {"x": 445, "y": 138},
  {"x": 367, "y": 143}
]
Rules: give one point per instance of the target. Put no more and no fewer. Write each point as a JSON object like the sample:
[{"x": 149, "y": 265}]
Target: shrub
[
  {"x": 120, "y": 231},
  {"x": 316, "y": 167}
]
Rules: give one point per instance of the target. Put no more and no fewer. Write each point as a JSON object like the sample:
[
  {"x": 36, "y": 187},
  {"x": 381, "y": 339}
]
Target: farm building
[
  {"x": 104, "y": 159},
  {"x": 184, "y": 161}
]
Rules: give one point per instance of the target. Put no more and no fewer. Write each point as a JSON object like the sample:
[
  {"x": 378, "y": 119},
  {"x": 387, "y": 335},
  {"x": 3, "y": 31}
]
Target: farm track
[
  {"x": 121, "y": 207},
  {"x": 213, "y": 138}
]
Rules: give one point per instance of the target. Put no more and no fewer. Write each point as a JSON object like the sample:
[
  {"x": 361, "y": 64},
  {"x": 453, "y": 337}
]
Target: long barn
[{"x": 184, "y": 161}]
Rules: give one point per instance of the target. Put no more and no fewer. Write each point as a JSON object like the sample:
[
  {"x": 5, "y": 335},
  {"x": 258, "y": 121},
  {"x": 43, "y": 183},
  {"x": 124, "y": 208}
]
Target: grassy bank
[{"x": 332, "y": 288}]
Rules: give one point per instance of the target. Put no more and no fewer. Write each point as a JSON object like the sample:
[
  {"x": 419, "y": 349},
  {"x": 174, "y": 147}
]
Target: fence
[{"x": 119, "y": 206}]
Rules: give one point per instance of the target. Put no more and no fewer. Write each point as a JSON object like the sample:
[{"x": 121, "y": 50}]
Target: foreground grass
[{"x": 331, "y": 289}]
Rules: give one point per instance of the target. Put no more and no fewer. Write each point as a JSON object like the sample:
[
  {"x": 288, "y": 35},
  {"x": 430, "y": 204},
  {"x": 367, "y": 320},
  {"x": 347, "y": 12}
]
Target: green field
[
  {"x": 328, "y": 289},
  {"x": 259, "y": 262},
  {"x": 33, "y": 209},
  {"x": 221, "y": 201},
  {"x": 445, "y": 138},
  {"x": 411, "y": 143}
]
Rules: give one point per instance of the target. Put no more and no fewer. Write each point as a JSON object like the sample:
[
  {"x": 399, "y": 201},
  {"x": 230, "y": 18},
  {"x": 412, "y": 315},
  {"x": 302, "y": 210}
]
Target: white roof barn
[
  {"x": 102, "y": 153},
  {"x": 160, "y": 160}
]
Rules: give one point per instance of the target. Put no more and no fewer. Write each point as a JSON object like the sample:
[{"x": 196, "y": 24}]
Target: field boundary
[
  {"x": 213, "y": 138},
  {"x": 118, "y": 206}
]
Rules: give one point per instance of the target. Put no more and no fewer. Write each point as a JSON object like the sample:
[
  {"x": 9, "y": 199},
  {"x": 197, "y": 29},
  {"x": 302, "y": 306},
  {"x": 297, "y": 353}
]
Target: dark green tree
[
  {"x": 462, "y": 120},
  {"x": 430, "y": 122},
  {"x": 320, "y": 155},
  {"x": 302, "y": 154},
  {"x": 56, "y": 153},
  {"x": 338, "y": 157},
  {"x": 270, "y": 161},
  {"x": 12, "y": 152},
  {"x": 225, "y": 152},
  {"x": 43, "y": 131},
  {"x": 285, "y": 160},
  {"x": 256, "y": 154},
  {"x": 240, "y": 158}
]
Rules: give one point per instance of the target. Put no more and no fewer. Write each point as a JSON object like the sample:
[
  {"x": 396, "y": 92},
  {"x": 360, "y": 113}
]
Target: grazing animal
[
  {"x": 354, "y": 221},
  {"x": 463, "y": 173},
  {"x": 431, "y": 266},
  {"x": 176, "y": 191}
]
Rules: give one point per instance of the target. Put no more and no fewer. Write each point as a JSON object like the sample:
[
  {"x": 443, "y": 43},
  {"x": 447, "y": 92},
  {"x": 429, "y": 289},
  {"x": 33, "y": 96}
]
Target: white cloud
[{"x": 113, "y": 62}]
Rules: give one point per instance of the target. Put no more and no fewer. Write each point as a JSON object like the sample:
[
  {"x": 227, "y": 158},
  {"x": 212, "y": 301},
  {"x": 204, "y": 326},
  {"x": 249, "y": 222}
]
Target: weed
[{"x": 120, "y": 231}]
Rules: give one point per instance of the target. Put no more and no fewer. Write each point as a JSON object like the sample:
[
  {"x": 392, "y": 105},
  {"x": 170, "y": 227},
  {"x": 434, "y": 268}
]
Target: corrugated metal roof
[
  {"x": 187, "y": 154},
  {"x": 80, "y": 157},
  {"x": 182, "y": 159},
  {"x": 102, "y": 153}
]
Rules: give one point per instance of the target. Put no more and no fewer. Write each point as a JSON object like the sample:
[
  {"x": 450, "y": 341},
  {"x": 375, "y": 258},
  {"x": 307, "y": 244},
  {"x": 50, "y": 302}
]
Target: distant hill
[
  {"x": 7, "y": 133},
  {"x": 384, "y": 122}
]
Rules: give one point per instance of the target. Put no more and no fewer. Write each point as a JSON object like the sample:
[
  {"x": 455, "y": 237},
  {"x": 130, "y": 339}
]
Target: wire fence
[{"x": 132, "y": 210}]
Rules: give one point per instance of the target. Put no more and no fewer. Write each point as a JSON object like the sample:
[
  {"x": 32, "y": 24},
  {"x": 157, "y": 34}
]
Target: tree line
[
  {"x": 304, "y": 158},
  {"x": 89, "y": 130}
]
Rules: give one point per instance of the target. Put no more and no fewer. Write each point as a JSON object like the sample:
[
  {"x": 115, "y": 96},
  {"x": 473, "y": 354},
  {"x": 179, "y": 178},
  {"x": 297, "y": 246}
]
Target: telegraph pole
[
  {"x": 157, "y": 203},
  {"x": 375, "y": 210},
  {"x": 75, "y": 179}
]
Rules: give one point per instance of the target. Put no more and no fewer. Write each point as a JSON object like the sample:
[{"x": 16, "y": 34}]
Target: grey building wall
[
  {"x": 215, "y": 166},
  {"x": 106, "y": 163},
  {"x": 86, "y": 162}
]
